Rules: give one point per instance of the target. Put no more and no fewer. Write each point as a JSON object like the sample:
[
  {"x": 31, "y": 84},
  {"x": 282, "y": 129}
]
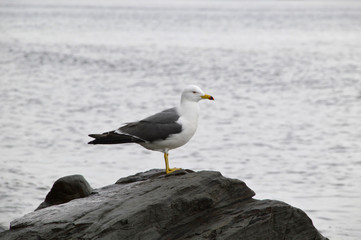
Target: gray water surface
[{"x": 286, "y": 76}]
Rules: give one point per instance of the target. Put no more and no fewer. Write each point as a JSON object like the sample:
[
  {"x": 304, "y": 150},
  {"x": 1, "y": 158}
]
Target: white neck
[{"x": 189, "y": 109}]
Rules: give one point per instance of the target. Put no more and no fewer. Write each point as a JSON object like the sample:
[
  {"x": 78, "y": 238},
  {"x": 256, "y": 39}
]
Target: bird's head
[{"x": 194, "y": 94}]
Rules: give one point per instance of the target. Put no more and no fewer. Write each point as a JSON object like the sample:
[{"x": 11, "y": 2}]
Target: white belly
[
  {"x": 175, "y": 140},
  {"x": 188, "y": 119}
]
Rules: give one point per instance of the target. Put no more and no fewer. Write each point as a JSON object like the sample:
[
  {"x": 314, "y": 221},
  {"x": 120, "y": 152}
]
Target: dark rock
[
  {"x": 151, "y": 174},
  {"x": 182, "y": 205},
  {"x": 66, "y": 189}
]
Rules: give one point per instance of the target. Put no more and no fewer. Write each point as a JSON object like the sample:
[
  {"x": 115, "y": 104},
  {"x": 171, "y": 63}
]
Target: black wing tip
[
  {"x": 113, "y": 138},
  {"x": 95, "y": 141}
]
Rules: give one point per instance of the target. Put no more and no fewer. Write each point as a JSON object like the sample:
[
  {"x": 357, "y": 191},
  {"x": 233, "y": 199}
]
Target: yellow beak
[{"x": 206, "y": 96}]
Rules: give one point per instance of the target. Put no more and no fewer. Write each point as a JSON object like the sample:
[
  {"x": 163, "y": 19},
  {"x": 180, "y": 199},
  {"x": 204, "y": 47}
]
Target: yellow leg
[{"x": 167, "y": 169}]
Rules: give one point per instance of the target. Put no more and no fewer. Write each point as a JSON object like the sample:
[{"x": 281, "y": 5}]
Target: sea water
[{"x": 285, "y": 75}]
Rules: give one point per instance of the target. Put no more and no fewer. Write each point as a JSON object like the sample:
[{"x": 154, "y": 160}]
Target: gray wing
[{"x": 156, "y": 127}]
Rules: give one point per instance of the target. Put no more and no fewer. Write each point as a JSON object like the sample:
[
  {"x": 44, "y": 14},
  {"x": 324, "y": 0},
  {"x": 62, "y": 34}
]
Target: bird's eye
[{"x": 194, "y": 92}]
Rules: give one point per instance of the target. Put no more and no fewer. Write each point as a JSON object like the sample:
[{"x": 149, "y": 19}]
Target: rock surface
[{"x": 181, "y": 205}]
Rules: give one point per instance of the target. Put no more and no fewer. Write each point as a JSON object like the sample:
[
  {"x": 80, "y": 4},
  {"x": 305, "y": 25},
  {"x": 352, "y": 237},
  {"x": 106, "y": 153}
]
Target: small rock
[{"x": 66, "y": 189}]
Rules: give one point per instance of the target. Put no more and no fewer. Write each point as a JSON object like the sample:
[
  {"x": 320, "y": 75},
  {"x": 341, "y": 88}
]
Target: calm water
[{"x": 286, "y": 76}]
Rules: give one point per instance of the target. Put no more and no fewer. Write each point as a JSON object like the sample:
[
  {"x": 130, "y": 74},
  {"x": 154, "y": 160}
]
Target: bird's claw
[{"x": 170, "y": 170}]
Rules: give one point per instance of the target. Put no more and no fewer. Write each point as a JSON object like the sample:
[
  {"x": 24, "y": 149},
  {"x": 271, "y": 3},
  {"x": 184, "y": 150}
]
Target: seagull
[{"x": 163, "y": 131}]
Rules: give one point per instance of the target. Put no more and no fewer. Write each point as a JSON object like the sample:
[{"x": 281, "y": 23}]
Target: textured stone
[
  {"x": 66, "y": 189},
  {"x": 181, "y": 205}
]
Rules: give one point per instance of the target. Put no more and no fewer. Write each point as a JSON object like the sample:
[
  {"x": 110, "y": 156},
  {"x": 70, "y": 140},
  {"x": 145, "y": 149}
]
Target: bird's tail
[{"x": 113, "y": 138}]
